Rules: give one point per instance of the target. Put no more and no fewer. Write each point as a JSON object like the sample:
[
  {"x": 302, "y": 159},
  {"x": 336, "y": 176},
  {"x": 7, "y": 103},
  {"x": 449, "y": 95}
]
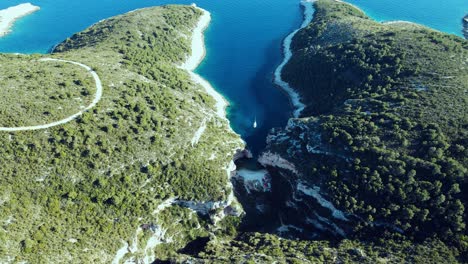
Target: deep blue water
[{"x": 243, "y": 42}]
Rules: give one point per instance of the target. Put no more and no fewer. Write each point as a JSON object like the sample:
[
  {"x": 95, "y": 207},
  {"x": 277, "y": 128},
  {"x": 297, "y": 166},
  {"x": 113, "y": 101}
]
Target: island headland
[
  {"x": 148, "y": 164},
  {"x": 371, "y": 122}
]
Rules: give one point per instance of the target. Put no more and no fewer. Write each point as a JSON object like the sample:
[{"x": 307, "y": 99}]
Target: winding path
[{"x": 96, "y": 99}]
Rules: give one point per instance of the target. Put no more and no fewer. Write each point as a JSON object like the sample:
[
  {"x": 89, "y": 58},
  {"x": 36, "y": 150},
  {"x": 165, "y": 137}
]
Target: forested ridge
[
  {"x": 77, "y": 193},
  {"x": 267, "y": 248},
  {"x": 387, "y": 141}
]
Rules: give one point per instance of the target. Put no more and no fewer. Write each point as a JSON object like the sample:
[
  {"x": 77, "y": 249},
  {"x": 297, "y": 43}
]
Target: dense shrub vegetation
[
  {"x": 74, "y": 193},
  {"x": 383, "y": 135},
  {"x": 392, "y": 106},
  {"x": 36, "y": 93},
  {"x": 265, "y": 248}
]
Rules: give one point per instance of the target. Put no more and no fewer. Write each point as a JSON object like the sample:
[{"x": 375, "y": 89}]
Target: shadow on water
[{"x": 273, "y": 106}]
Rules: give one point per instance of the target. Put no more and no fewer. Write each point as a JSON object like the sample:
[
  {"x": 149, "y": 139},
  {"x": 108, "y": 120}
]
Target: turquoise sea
[
  {"x": 444, "y": 15},
  {"x": 243, "y": 42}
]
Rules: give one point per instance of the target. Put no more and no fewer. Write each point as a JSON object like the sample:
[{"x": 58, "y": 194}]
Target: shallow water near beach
[{"x": 243, "y": 44}]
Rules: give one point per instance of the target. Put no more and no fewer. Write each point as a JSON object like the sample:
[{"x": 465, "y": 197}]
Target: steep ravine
[{"x": 278, "y": 199}]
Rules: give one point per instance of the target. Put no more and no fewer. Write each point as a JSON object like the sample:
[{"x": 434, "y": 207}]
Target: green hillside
[
  {"x": 35, "y": 92},
  {"x": 78, "y": 192},
  {"x": 384, "y": 132},
  {"x": 144, "y": 174},
  {"x": 266, "y": 248},
  {"x": 383, "y": 135}
]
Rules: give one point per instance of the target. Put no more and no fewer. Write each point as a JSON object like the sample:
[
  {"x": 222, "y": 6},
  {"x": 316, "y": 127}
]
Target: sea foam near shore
[
  {"x": 10, "y": 15},
  {"x": 294, "y": 96}
]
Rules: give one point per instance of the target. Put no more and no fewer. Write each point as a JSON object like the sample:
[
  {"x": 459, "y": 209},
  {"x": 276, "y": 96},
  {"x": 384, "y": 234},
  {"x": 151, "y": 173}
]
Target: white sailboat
[{"x": 255, "y": 123}]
